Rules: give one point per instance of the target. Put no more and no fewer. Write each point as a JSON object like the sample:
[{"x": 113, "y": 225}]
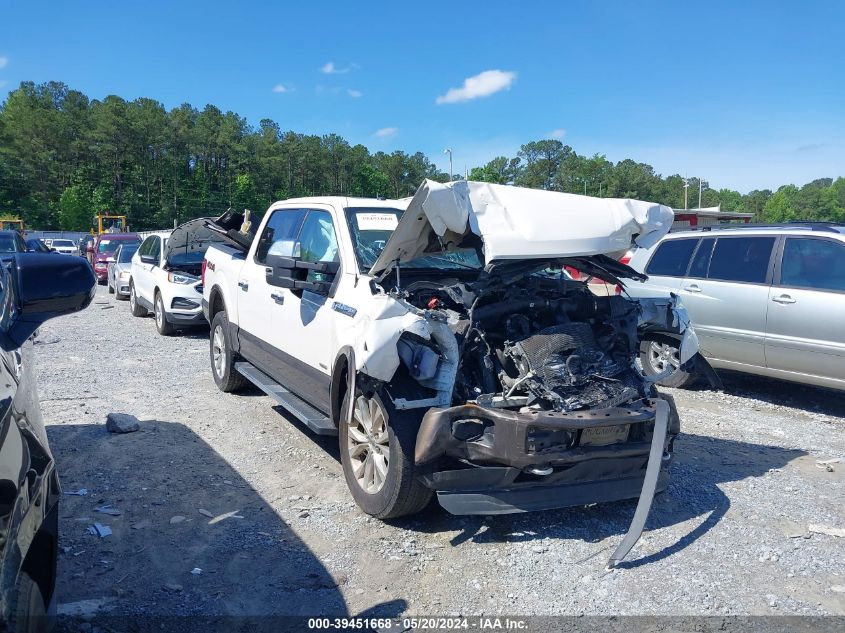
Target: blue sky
[{"x": 746, "y": 97}]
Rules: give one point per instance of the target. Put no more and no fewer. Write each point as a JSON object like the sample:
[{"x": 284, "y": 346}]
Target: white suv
[{"x": 161, "y": 284}]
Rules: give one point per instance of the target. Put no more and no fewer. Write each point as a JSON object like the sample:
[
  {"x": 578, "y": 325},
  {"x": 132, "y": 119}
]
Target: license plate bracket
[{"x": 605, "y": 435}]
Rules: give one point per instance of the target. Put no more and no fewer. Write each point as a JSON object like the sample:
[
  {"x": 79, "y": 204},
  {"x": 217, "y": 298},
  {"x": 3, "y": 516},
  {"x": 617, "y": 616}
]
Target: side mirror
[
  {"x": 148, "y": 259},
  {"x": 38, "y": 287},
  {"x": 292, "y": 273}
]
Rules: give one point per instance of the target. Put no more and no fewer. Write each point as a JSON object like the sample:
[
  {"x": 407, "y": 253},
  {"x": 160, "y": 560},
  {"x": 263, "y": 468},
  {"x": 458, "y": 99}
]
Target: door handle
[
  {"x": 692, "y": 288},
  {"x": 243, "y": 285},
  {"x": 783, "y": 299},
  {"x": 280, "y": 299}
]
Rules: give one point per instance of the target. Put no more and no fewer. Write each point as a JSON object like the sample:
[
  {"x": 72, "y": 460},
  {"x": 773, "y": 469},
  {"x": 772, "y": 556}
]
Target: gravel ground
[{"x": 729, "y": 537}]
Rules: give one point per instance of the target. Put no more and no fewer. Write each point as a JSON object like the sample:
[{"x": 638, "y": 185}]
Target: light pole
[
  {"x": 448, "y": 150},
  {"x": 701, "y": 185},
  {"x": 686, "y": 191}
]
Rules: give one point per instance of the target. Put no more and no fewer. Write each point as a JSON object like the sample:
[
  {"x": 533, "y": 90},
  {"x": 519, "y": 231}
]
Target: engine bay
[{"x": 533, "y": 342}]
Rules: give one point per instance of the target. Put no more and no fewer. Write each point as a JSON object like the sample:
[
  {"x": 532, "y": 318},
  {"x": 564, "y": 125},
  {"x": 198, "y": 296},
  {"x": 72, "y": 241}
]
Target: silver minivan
[{"x": 767, "y": 300}]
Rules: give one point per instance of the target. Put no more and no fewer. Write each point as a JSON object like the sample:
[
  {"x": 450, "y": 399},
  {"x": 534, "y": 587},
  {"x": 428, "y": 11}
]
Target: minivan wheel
[
  {"x": 162, "y": 324},
  {"x": 377, "y": 455},
  {"x": 226, "y": 377},
  {"x": 136, "y": 309},
  {"x": 658, "y": 353}
]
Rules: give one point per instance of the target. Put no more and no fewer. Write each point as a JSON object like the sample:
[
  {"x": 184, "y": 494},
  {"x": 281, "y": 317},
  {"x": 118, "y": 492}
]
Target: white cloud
[
  {"x": 387, "y": 132},
  {"x": 559, "y": 133},
  {"x": 483, "y": 84},
  {"x": 281, "y": 88},
  {"x": 4, "y": 61},
  {"x": 354, "y": 93},
  {"x": 330, "y": 69}
]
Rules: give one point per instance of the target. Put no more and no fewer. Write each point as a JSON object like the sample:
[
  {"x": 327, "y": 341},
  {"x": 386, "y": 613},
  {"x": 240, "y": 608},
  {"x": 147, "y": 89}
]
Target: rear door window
[
  {"x": 701, "y": 259},
  {"x": 671, "y": 258},
  {"x": 741, "y": 259},
  {"x": 813, "y": 263}
]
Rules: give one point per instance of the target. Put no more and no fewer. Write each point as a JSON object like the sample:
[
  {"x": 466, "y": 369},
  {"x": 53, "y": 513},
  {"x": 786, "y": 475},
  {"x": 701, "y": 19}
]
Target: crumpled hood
[
  {"x": 516, "y": 223},
  {"x": 191, "y": 237}
]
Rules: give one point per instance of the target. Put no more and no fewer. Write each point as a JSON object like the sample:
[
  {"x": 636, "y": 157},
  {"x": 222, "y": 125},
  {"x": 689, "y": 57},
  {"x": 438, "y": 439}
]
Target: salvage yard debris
[
  {"x": 121, "y": 423},
  {"x": 228, "y": 515},
  {"x": 98, "y": 529},
  {"x": 108, "y": 510},
  {"x": 826, "y": 529}
]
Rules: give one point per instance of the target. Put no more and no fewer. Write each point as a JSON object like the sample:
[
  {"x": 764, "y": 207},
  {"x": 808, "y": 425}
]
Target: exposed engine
[{"x": 537, "y": 342}]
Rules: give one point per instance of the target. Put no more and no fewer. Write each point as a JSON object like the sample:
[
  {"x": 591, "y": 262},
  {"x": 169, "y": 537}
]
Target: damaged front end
[{"x": 531, "y": 395}]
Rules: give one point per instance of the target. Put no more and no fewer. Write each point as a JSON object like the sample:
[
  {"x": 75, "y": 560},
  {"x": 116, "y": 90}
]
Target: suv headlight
[
  {"x": 181, "y": 278},
  {"x": 125, "y": 274}
]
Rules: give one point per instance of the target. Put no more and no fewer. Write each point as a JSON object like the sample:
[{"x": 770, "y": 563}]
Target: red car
[{"x": 101, "y": 252}]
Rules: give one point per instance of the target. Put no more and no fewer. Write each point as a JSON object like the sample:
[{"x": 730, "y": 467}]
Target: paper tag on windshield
[{"x": 377, "y": 221}]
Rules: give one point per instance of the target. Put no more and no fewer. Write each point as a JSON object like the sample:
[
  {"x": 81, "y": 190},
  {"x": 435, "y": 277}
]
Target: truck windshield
[{"x": 371, "y": 228}]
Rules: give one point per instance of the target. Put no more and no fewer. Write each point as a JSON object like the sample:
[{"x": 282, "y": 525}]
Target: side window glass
[
  {"x": 742, "y": 259},
  {"x": 317, "y": 239},
  {"x": 146, "y": 246},
  {"x": 672, "y": 258},
  {"x": 281, "y": 227},
  {"x": 813, "y": 263},
  {"x": 155, "y": 251},
  {"x": 701, "y": 260}
]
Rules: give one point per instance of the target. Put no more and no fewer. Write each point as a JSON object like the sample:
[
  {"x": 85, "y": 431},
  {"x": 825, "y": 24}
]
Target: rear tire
[
  {"x": 222, "y": 357},
  {"x": 28, "y": 613},
  {"x": 136, "y": 308},
  {"x": 377, "y": 455},
  {"x": 164, "y": 327},
  {"x": 657, "y": 352}
]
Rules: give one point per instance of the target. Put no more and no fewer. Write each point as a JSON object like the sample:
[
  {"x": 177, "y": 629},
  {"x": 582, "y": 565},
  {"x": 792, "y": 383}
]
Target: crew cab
[
  {"x": 165, "y": 276},
  {"x": 440, "y": 339}
]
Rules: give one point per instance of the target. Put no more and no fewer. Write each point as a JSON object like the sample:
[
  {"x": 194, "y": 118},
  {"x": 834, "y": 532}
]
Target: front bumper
[
  {"x": 535, "y": 461},
  {"x": 185, "y": 318}
]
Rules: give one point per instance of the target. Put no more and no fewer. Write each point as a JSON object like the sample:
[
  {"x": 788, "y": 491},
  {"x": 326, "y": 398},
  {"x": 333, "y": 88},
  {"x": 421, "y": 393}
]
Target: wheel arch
[
  {"x": 216, "y": 302},
  {"x": 343, "y": 382}
]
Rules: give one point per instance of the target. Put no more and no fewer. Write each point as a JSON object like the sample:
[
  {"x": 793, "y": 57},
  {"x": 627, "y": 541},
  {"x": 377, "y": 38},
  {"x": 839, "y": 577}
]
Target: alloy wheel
[
  {"x": 218, "y": 351},
  {"x": 662, "y": 356},
  {"x": 368, "y": 444}
]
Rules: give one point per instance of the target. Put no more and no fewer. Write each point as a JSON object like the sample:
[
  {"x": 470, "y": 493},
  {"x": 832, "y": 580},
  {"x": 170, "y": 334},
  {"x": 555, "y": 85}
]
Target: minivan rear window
[
  {"x": 742, "y": 259},
  {"x": 672, "y": 258}
]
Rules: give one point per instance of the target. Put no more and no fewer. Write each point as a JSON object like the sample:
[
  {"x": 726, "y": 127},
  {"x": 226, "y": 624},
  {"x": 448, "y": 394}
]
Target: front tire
[
  {"x": 28, "y": 613},
  {"x": 137, "y": 309},
  {"x": 377, "y": 455},
  {"x": 227, "y": 378},
  {"x": 659, "y": 352},
  {"x": 162, "y": 324},
  {"x": 111, "y": 288}
]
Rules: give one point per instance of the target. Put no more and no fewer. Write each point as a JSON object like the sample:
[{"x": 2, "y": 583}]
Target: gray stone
[{"x": 121, "y": 423}]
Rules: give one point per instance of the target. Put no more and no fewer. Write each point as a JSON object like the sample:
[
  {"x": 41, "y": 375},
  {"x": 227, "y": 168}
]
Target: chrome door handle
[
  {"x": 243, "y": 285},
  {"x": 783, "y": 299},
  {"x": 692, "y": 288},
  {"x": 280, "y": 299}
]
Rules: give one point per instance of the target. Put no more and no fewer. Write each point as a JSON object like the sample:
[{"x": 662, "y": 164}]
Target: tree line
[{"x": 65, "y": 157}]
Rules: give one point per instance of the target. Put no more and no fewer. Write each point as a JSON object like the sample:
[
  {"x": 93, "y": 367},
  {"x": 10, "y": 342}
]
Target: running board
[{"x": 301, "y": 410}]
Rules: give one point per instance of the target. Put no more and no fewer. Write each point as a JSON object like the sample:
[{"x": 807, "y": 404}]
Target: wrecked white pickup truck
[{"x": 442, "y": 341}]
